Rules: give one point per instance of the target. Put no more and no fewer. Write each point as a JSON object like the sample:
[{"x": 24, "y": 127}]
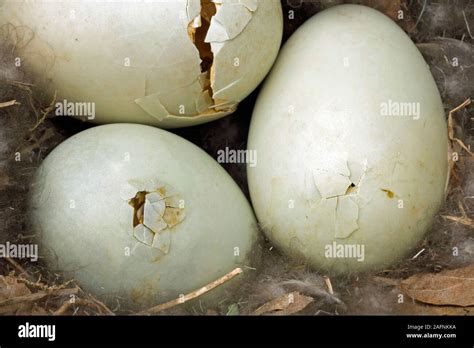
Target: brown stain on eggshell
[{"x": 389, "y": 193}]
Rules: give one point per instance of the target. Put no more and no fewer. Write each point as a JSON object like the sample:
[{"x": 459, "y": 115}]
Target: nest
[{"x": 444, "y": 33}]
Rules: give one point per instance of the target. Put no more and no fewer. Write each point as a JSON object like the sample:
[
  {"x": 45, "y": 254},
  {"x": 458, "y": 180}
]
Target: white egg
[
  {"x": 351, "y": 139},
  {"x": 165, "y": 63},
  {"x": 137, "y": 212}
]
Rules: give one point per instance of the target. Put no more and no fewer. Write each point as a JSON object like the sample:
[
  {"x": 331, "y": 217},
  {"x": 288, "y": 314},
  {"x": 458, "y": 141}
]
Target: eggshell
[
  {"x": 196, "y": 224},
  {"x": 140, "y": 61},
  {"x": 350, "y": 172}
]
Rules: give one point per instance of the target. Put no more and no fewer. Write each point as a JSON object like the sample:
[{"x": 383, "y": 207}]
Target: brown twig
[{"x": 192, "y": 295}]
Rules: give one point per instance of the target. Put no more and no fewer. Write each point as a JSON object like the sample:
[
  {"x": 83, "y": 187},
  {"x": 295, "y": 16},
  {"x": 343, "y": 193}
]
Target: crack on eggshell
[
  {"x": 198, "y": 33},
  {"x": 398, "y": 162},
  {"x": 342, "y": 186},
  {"x": 166, "y": 104},
  {"x": 193, "y": 11},
  {"x": 311, "y": 192},
  {"x": 357, "y": 171},
  {"x": 231, "y": 19},
  {"x": 331, "y": 184},
  {"x": 224, "y": 89},
  {"x": 155, "y": 212},
  {"x": 344, "y": 179},
  {"x": 347, "y": 215}
]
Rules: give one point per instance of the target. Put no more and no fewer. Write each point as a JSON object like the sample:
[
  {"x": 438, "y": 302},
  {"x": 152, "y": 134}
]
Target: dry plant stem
[
  {"x": 467, "y": 25},
  {"x": 192, "y": 295},
  {"x": 463, "y": 219},
  {"x": 16, "y": 265},
  {"x": 45, "y": 112},
  {"x": 38, "y": 296},
  {"x": 8, "y": 103},
  {"x": 101, "y": 306},
  {"x": 418, "y": 254},
  {"x": 81, "y": 302},
  {"x": 18, "y": 84},
  {"x": 329, "y": 285},
  {"x": 421, "y": 13},
  {"x": 451, "y": 126},
  {"x": 49, "y": 133},
  {"x": 19, "y": 268},
  {"x": 37, "y": 284},
  {"x": 89, "y": 302},
  {"x": 64, "y": 307},
  {"x": 25, "y": 87}
]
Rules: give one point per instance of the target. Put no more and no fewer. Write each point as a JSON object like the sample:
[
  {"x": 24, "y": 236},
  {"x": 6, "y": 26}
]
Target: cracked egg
[
  {"x": 351, "y": 139},
  {"x": 137, "y": 212},
  {"x": 164, "y": 63}
]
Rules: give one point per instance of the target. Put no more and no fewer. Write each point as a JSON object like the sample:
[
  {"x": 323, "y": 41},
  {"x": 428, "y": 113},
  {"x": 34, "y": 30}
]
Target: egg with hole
[
  {"x": 139, "y": 214},
  {"x": 351, "y": 139},
  {"x": 164, "y": 63}
]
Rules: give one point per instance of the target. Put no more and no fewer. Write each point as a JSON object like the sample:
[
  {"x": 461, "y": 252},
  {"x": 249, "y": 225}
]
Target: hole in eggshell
[
  {"x": 352, "y": 187},
  {"x": 154, "y": 212},
  {"x": 138, "y": 203},
  {"x": 208, "y": 10},
  {"x": 198, "y": 36}
]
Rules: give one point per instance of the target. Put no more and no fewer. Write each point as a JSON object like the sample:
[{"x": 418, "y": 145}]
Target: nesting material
[{"x": 24, "y": 140}]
